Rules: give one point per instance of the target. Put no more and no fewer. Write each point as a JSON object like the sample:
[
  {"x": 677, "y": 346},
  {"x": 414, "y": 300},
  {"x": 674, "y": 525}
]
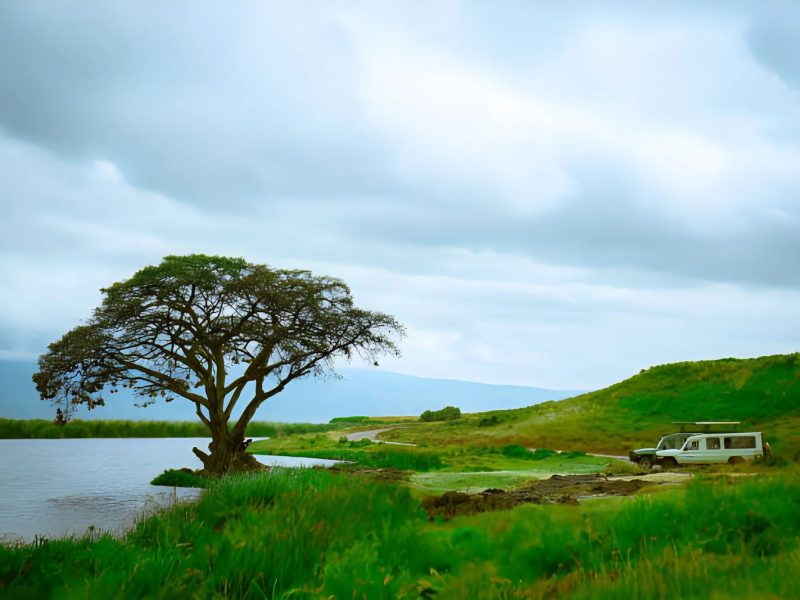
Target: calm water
[{"x": 57, "y": 487}]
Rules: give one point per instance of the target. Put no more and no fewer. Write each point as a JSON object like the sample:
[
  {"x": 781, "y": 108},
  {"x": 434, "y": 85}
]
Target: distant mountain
[{"x": 360, "y": 392}]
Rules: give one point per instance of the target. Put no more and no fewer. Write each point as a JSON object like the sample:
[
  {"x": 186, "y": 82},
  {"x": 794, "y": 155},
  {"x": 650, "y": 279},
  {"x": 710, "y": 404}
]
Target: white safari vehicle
[{"x": 706, "y": 448}]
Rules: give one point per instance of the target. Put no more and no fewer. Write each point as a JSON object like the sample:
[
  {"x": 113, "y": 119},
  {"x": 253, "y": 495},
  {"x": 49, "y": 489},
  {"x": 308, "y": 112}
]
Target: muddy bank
[{"x": 559, "y": 489}]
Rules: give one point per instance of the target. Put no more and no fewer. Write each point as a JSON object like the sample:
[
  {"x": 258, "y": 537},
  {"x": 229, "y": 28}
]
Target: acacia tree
[{"x": 175, "y": 331}]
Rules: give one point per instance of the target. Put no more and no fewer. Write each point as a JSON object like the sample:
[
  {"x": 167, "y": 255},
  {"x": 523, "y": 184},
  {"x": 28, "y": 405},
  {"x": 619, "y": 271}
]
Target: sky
[{"x": 547, "y": 194}]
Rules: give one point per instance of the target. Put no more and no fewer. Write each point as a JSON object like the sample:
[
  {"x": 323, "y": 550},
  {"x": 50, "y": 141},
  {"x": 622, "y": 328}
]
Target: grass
[
  {"x": 436, "y": 482},
  {"x": 454, "y": 458},
  {"x": 763, "y": 393},
  {"x": 360, "y": 419},
  {"x": 310, "y": 533},
  {"x": 40, "y": 428},
  {"x": 376, "y": 456}
]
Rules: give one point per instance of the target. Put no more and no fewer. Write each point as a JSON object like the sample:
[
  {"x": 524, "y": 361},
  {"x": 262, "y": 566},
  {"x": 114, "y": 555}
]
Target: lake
[{"x": 57, "y": 487}]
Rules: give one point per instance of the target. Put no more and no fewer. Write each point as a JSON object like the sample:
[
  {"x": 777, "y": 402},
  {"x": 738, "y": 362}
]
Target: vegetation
[
  {"x": 515, "y": 451},
  {"x": 763, "y": 393},
  {"x": 310, "y": 533},
  {"x": 180, "y": 478},
  {"x": 448, "y": 413},
  {"x": 349, "y": 419},
  {"x": 178, "y": 330},
  {"x": 359, "y": 530},
  {"x": 39, "y": 428},
  {"x": 465, "y": 458}
]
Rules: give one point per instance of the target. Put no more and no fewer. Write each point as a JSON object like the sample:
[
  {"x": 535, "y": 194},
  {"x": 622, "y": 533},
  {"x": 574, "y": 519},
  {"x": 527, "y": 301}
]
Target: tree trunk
[{"x": 227, "y": 452}]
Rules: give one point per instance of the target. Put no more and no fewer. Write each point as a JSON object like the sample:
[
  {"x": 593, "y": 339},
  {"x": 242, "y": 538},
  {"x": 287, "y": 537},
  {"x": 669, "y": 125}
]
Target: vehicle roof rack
[{"x": 706, "y": 425}]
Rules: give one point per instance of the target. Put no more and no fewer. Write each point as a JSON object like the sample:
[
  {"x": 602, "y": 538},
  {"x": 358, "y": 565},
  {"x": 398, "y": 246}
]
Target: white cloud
[{"x": 543, "y": 197}]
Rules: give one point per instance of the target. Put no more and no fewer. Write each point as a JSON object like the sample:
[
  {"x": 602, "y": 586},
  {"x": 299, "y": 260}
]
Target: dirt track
[
  {"x": 559, "y": 489},
  {"x": 372, "y": 435}
]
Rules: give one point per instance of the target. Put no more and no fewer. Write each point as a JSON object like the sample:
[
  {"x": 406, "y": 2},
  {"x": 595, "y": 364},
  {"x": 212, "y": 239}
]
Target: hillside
[{"x": 763, "y": 393}]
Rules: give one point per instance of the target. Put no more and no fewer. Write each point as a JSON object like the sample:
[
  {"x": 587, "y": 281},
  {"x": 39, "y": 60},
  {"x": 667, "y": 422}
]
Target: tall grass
[
  {"x": 376, "y": 456},
  {"x": 310, "y": 533},
  {"x": 40, "y": 428}
]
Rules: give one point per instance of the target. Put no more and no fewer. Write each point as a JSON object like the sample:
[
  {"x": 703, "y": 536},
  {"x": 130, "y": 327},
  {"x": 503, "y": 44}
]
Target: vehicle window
[
  {"x": 740, "y": 442},
  {"x": 668, "y": 442},
  {"x": 692, "y": 445},
  {"x": 712, "y": 443}
]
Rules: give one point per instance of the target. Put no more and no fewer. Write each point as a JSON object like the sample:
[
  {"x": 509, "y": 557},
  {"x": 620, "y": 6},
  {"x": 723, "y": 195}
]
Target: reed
[{"x": 40, "y": 428}]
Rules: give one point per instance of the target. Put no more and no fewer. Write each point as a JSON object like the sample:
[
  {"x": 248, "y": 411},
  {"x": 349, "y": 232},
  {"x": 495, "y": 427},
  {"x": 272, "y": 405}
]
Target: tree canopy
[{"x": 175, "y": 330}]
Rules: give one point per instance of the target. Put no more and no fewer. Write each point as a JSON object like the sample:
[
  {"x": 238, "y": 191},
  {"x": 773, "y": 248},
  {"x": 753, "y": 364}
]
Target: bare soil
[{"x": 558, "y": 489}]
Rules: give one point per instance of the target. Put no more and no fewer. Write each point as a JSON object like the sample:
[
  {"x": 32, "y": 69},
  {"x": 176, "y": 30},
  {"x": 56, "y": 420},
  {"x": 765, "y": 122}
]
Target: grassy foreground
[{"x": 314, "y": 534}]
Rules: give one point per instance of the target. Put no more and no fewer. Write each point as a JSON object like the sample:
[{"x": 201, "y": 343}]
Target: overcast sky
[{"x": 544, "y": 194}]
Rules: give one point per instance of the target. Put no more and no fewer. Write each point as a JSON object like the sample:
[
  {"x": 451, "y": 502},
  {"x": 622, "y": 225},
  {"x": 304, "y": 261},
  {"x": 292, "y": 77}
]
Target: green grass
[
  {"x": 376, "y": 456},
  {"x": 310, "y": 533},
  {"x": 763, "y": 393},
  {"x": 437, "y": 482},
  {"x": 349, "y": 419},
  {"x": 455, "y": 458},
  {"x": 40, "y": 428}
]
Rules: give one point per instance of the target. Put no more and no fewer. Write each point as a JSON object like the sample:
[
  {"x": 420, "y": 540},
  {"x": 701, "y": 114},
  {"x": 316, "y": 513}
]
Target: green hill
[{"x": 763, "y": 393}]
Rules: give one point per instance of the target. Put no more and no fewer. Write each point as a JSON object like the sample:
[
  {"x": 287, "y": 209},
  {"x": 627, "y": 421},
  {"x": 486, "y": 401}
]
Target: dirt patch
[{"x": 559, "y": 489}]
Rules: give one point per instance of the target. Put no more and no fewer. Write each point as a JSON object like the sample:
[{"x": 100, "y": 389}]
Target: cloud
[
  {"x": 546, "y": 196},
  {"x": 772, "y": 37}
]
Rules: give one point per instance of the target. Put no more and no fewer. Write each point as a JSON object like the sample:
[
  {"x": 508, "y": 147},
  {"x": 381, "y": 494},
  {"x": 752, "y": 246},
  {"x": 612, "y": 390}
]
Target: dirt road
[{"x": 372, "y": 435}]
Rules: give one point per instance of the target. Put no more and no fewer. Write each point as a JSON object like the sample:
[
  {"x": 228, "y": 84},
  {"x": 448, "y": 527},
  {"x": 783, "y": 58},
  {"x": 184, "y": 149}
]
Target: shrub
[
  {"x": 572, "y": 454},
  {"x": 517, "y": 451},
  {"x": 180, "y": 478},
  {"x": 448, "y": 413}
]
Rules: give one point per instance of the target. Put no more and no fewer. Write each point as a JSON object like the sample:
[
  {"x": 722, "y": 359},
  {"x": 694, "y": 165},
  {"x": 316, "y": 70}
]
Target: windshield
[{"x": 673, "y": 442}]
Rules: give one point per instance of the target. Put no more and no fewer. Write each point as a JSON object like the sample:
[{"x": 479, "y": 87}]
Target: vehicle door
[
  {"x": 714, "y": 452},
  {"x": 691, "y": 452}
]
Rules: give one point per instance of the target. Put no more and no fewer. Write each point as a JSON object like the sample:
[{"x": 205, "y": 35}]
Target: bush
[
  {"x": 180, "y": 478},
  {"x": 489, "y": 421},
  {"x": 517, "y": 451},
  {"x": 448, "y": 413},
  {"x": 573, "y": 454},
  {"x": 362, "y": 443}
]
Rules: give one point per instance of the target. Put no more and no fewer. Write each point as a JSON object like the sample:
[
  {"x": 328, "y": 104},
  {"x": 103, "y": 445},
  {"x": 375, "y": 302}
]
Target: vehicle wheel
[
  {"x": 669, "y": 463},
  {"x": 735, "y": 460},
  {"x": 645, "y": 462}
]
